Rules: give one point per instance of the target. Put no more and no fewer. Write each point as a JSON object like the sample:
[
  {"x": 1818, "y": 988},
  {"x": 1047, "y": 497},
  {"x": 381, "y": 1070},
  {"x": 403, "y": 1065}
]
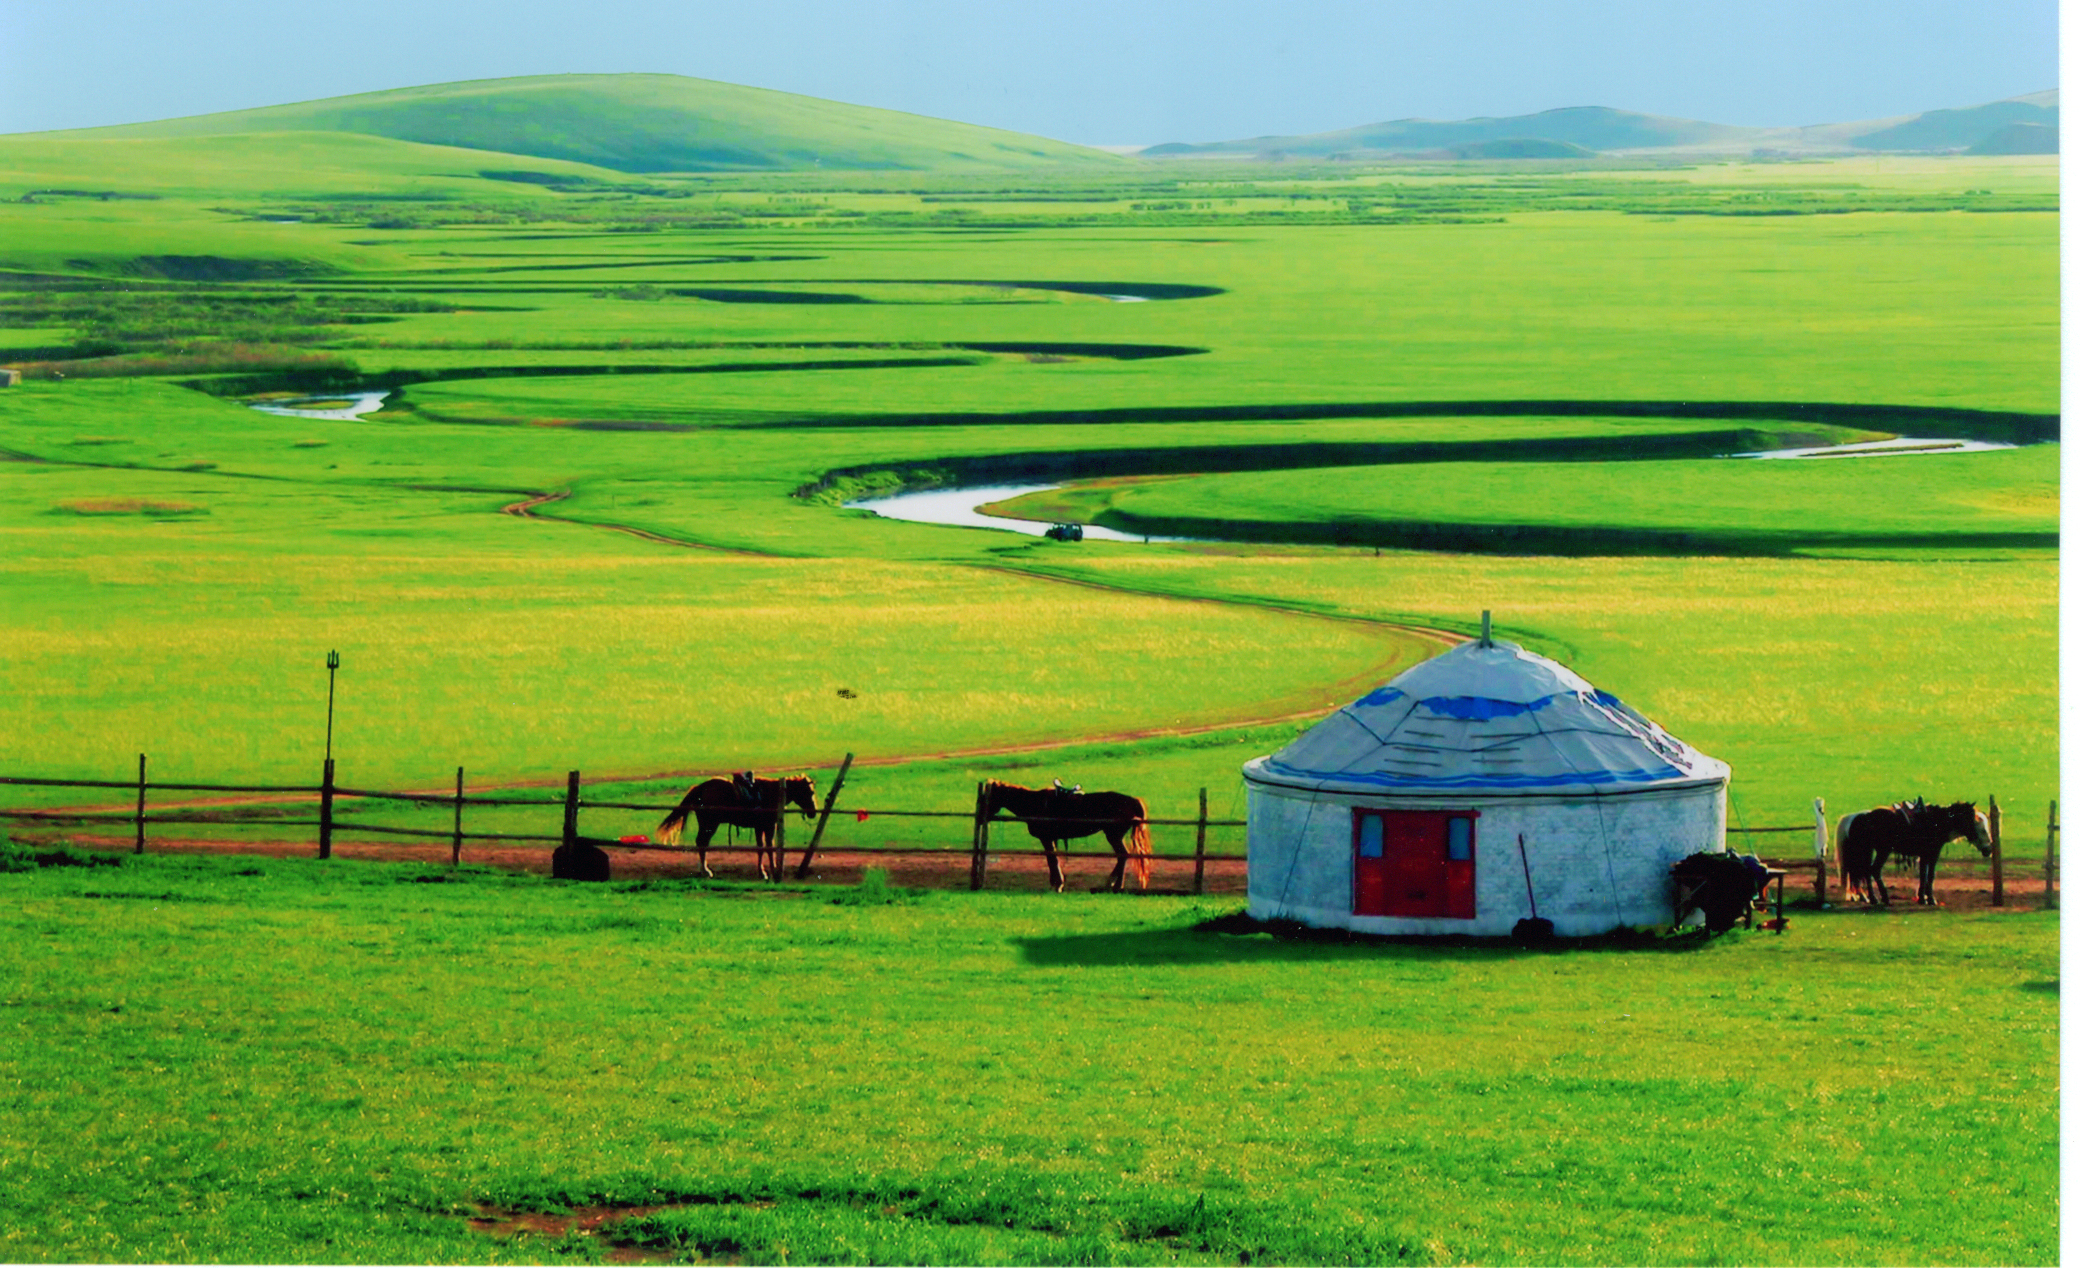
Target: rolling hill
[
  {"x": 637, "y": 124},
  {"x": 1598, "y": 128}
]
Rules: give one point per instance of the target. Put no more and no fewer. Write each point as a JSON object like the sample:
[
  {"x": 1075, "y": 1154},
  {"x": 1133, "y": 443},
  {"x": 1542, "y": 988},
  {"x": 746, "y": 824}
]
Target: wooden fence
[
  {"x": 978, "y": 849},
  {"x": 329, "y": 824}
]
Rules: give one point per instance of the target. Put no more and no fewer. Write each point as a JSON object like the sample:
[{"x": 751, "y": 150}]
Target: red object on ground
[
  {"x": 862, "y": 816},
  {"x": 635, "y": 840}
]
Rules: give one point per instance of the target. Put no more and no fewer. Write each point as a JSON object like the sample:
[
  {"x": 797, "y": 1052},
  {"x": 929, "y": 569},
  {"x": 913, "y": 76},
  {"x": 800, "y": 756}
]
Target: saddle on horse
[{"x": 746, "y": 786}]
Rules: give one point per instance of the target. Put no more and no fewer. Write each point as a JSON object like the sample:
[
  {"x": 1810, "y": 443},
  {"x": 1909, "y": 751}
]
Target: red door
[{"x": 1412, "y": 863}]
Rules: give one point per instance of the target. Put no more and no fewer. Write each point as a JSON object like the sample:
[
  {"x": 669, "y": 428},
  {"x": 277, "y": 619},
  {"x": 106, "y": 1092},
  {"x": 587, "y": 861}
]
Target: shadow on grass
[{"x": 1237, "y": 938}]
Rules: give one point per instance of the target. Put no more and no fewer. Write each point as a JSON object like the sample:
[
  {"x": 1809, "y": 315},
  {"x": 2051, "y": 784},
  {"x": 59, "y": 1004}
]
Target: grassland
[
  {"x": 273, "y": 1061},
  {"x": 694, "y": 373}
]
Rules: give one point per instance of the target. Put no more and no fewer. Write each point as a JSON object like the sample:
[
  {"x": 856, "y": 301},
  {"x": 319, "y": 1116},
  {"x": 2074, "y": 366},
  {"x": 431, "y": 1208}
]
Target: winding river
[{"x": 962, "y": 507}]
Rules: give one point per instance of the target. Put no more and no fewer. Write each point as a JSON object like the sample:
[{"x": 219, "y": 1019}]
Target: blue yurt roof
[{"x": 1487, "y": 719}]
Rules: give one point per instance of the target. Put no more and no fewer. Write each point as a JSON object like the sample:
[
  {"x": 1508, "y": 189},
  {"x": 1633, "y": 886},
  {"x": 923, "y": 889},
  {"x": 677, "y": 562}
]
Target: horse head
[
  {"x": 1972, "y": 826},
  {"x": 800, "y": 792}
]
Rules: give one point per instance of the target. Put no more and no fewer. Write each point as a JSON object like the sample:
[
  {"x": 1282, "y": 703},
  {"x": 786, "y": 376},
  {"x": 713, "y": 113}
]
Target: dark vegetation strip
[
  {"x": 621, "y": 263},
  {"x": 1977, "y": 424},
  {"x": 1555, "y": 539},
  {"x": 343, "y": 379},
  {"x": 1006, "y": 468}
]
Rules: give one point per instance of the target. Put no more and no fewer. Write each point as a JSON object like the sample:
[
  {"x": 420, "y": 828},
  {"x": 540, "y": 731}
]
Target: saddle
[{"x": 746, "y": 786}]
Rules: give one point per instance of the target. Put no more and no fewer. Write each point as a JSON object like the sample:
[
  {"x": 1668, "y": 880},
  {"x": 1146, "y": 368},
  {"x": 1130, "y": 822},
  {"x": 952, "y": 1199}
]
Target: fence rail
[{"x": 328, "y": 822}]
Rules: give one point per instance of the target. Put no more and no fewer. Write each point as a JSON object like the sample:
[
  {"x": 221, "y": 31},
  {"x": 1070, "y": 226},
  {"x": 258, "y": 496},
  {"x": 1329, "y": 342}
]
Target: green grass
[{"x": 273, "y": 1060}]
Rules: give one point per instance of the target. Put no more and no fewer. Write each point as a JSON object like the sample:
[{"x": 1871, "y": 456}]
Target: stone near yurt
[{"x": 1403, "y": 813}]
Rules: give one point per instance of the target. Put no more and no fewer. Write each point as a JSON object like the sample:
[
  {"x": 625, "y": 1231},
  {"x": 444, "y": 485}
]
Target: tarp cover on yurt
[{"x": 1490, "y": 720}]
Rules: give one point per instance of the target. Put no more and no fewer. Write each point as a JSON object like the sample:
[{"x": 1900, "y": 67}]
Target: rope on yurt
[
  {"x": 1596, "y": 798},
  {"x": 1314, "y": 801},
  {"x": 1610, "y": 867}
]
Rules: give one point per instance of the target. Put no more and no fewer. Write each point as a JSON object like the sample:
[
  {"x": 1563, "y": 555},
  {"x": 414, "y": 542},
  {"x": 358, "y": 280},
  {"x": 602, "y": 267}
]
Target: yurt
[{"x": 1484, "y": 786}]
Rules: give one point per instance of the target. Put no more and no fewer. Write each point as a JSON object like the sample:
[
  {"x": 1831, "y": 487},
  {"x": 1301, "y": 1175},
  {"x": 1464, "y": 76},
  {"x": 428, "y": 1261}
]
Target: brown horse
[
  {"x": 1911, "y": 829},
  {"x": 1060, "y": 814},
  {"x": 714, "y": 802}
]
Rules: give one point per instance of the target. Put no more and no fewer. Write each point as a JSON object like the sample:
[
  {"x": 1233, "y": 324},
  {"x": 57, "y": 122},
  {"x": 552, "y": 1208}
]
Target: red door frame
[{"x": 1413, "y": 875}]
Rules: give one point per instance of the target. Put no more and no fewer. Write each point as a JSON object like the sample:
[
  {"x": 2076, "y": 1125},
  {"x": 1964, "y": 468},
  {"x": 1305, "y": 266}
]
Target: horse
[
  {"x": 1866, "y": 839},
  {"x": 1059, "y": 814},
  {"x": 714, "y": 802}
]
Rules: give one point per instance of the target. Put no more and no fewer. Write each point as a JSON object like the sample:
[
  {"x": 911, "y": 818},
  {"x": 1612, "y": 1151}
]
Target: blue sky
[{"x": 1118, "y": 72}]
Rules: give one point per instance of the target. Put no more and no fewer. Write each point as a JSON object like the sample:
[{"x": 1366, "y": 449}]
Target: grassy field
[
  {"x": 683, "y": 377},
  {"x": 269, "y": 1061}
]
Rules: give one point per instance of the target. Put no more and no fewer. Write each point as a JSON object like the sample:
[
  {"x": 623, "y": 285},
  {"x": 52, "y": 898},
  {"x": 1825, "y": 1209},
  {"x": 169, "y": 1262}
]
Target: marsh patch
[{"x": 128, "y": 506}]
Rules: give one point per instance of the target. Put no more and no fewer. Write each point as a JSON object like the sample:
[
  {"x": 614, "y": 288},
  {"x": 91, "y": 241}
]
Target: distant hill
[
  {"x": 1520, "y": 148},
  {"x": 640, "y": 124},
  {"x": 1958, "y": 129},
  {"x": 1597, "y": 128},
  {"x": 2018, "y": 138}
]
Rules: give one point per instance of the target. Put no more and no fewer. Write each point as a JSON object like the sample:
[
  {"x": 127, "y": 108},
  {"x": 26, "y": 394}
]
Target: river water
[
  {"x": 358, "y": 403},
  {"x": 957, "y": 508}
]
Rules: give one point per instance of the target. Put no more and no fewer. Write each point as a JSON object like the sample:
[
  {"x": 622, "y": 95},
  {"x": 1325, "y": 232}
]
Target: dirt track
[{"x": 1968, "y": 889}]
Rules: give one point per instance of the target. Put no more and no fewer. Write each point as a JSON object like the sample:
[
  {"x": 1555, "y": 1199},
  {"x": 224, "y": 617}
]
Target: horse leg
[
  {"x": 762, "y": 847},
  {"x": 1879, "y": 858},
  {"x": 1054, "y": 865},
  {"x": 1119, "y": 863},
  {"x": 700, "y": 842}
]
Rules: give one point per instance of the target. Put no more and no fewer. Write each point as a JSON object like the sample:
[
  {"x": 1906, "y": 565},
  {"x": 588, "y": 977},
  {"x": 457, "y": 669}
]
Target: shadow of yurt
[{"x": 1486, "y": 792}]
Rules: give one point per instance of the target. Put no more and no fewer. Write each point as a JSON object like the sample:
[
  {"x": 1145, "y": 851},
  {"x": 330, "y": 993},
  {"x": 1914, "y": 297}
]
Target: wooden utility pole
[
  {"x": 140, "y": 803},
  {"x": 978, "y": 858},
  {"x": 1993, "y": 825},
  {"x": 1820, "y": 850},
  {"x": 801, "y": 871},
  {"x": 570, "y": 811},
  {"x": 1199, "y": 850},
  {"x": 325, "y": 813},
  {"x": 2051, "y": 858}
]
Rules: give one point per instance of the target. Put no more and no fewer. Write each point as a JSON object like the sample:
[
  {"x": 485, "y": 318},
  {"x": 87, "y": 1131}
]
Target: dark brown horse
[
  {"x": 1061, "y": 814},
  {"x": 1911, "y": 829},
  {"x": 714, "y": 802}
]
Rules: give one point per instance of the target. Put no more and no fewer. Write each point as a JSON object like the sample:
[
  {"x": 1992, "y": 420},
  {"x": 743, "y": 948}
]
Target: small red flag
[{"x": 862, "y": 816}]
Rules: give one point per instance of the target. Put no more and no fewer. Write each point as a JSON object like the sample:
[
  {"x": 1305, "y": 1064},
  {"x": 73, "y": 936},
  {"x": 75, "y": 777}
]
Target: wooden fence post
[
  {"x": 1820, "y": 851},
  {"x": 570, "y": 811},
  {"x": 455, "y": 845},
  {"x": 1199, "y": 850},
  {"x": 140, "y": 803},
  {"x": 2051, "y": 858},
  {"x": 978, "y": 858},
  {"x": 801, "y": 871},
  {"x": 325, "y": 813},
  {"x": 1993, "y": 824}
]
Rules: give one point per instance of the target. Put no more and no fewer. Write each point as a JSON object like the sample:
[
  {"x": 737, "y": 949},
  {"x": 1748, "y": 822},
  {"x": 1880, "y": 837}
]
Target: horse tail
[
  {"x": 1850, "y": 856},
  {"x": 674, "y": 824},
  {"x": 1137, "y": 844}
]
